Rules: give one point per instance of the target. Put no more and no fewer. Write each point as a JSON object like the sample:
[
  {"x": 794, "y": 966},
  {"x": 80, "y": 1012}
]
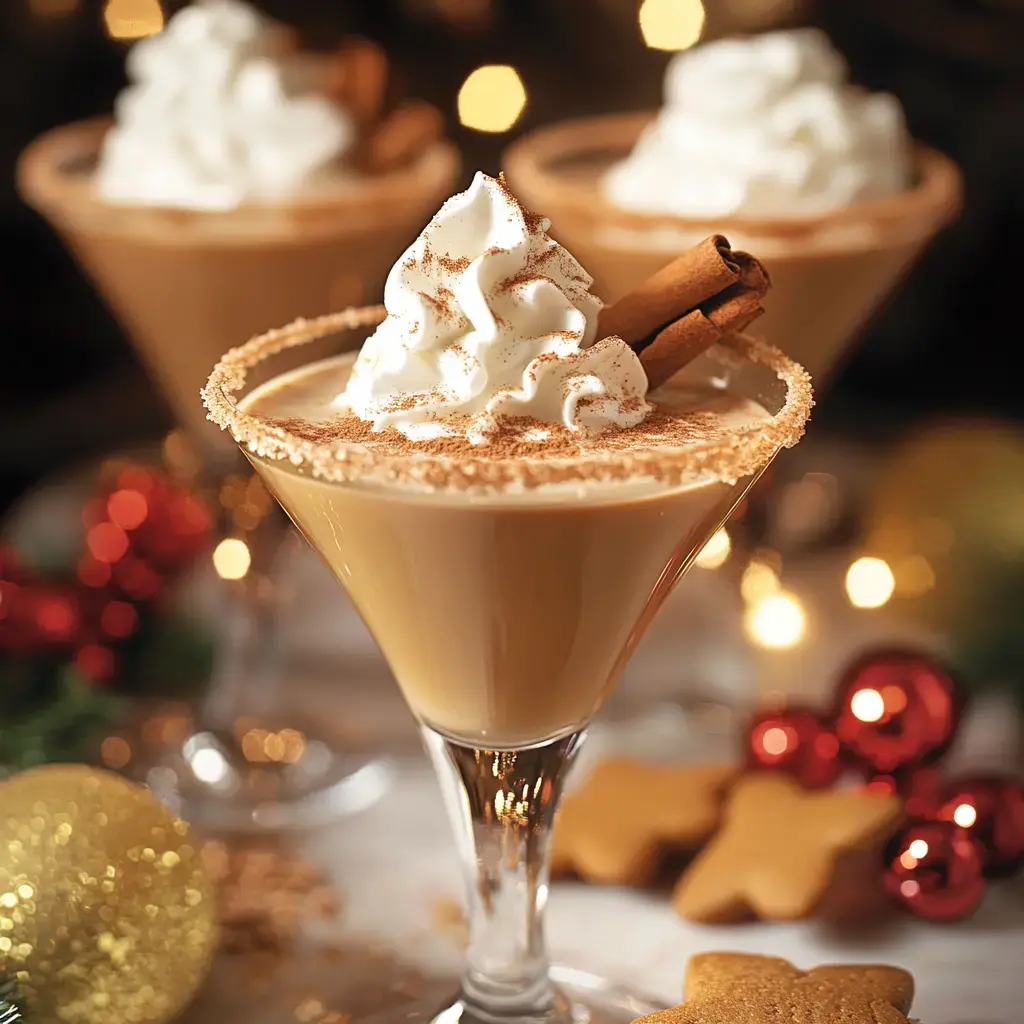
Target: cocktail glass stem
[{"x": 502, "y": 805}]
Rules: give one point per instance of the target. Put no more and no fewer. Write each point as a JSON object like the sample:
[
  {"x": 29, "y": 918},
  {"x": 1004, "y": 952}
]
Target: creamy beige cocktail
[
  {"x": 505, "y": 620},
  {"x": 507, "y": 502}
]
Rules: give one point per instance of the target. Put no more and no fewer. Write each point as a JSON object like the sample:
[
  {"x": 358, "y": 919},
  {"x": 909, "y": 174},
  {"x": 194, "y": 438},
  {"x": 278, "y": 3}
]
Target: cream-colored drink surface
[{"x": 504, "y": 617}]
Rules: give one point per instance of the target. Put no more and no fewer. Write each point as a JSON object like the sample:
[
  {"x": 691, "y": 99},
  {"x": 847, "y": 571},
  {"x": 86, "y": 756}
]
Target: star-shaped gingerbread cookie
[
  {"x": 736, "y": 988},
  {"x": 614, "y": 827},
  {"x": 777, "y": 849}
]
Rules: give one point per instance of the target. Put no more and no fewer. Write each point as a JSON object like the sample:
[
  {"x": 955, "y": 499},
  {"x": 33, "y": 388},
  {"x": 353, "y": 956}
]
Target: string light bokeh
[
  {"x": 492, "y": 98},
  {"x": 776, "y": 621},
  {"x": 869, "y": 582},
  {"x": 133, "y": 19},
  {"x": 671, "y": 24},
  {"x": 715, "y": 553},
  {"x": 231, "y": 558}
]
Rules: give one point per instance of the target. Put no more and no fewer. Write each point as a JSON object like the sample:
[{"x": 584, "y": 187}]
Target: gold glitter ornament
[{"x": 107, "y": 915}]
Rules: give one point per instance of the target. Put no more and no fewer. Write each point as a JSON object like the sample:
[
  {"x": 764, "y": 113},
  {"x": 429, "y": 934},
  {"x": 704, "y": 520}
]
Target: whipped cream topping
[
  {"x": 214, "y": 118},
  {"x": 491, "y": 328},
  {"x": 763, "y": 126}
]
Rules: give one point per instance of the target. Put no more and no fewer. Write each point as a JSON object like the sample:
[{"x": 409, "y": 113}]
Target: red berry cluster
[
  {"x": 894, "y": 715},
  {"x": 139, "y": 532}
]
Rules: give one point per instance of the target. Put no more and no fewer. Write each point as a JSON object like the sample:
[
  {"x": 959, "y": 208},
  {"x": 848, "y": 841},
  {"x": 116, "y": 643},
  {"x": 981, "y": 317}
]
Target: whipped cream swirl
[
  {"x": 216, "y": 116},
  {"x": 491, "y": 327},
  {"x": 763, "y": 126}
]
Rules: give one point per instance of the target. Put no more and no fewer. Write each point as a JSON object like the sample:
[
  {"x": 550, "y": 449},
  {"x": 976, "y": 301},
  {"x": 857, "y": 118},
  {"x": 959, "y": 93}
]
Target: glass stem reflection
[{"x": 502, "y": 804}]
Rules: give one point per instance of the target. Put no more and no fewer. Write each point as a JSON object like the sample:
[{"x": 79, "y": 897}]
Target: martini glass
[
  {"x": 829, "y": 271},
  {"x": 185, "y": 284},
  {"x": 506, "y": 615}
]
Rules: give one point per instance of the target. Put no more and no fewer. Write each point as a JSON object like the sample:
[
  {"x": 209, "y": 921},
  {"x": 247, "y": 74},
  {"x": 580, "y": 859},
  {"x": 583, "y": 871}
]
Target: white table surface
[{"x": 393, "y": 862}]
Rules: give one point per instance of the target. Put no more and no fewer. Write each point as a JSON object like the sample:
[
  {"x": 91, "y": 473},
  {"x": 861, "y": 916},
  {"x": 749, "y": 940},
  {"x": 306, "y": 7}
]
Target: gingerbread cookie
[
  {"x": 776, "y": 853},
  {"x": 738, "y": 988},
  {"x": 614, "y": 827}
]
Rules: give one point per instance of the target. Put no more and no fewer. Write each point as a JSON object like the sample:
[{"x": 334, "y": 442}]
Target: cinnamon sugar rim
[{"x": 743, "y": 452}]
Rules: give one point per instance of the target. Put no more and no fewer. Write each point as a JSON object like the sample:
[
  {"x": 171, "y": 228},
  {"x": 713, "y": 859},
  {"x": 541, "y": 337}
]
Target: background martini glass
[
  {"x": 506, "y": 618},
  {"x": 186, "y": 285},
  {"x": 829, "y": 271}
]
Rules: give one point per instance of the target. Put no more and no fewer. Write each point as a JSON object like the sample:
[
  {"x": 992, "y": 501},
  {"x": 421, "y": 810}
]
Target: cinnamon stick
[
  {"x": 703, "y": 296},
  {"x": 357, "y": 78},
  {"x": 405, "y": 132}
]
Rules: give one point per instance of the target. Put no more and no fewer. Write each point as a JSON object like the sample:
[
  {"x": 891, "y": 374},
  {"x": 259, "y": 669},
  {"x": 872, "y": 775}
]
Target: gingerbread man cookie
[
  {"x": 614, "y": 827},
  {"x": 737, "y": 988},
  {"x": 777, "y": 850}
]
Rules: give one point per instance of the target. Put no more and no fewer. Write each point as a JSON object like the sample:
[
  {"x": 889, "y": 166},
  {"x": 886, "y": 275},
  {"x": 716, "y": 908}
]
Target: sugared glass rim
[{"x": 743, "y": 452}]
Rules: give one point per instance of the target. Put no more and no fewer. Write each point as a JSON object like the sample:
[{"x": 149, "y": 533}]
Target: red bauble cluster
[
  {"x": 896, "y": 711},
  {"x": 895, "y": 715},
  {"x": 934, "y": 869},
  {"x": 139, "y": 532},
  {"x": 798, "y": 741}
]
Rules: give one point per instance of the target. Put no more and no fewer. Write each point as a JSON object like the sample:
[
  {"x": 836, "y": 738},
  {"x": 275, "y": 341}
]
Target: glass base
[
  {"x": 361, "y": 983},
  {"x": 273, "y": 777},
  {"x": 582, "y": 999}
]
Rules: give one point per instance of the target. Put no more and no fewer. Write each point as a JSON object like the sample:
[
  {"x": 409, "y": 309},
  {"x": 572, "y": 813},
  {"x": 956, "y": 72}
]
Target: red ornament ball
[
  {"x": 920, "y": 788},
  {"x": 934, "y": 869},
  {"x": 797, "y": 741},
  {"x": 896, "y": 709},
  {"x": 991, "y": 809}
]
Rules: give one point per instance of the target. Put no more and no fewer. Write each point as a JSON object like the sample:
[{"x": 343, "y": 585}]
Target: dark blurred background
[{"x": 71, "y": 386}]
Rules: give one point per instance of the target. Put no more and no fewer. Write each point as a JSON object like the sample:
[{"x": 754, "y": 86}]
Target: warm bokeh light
[
  {"x": 133, "y": 19},
  {"x": 776, "y": 621},
  {"x": 965, "y": 815},
  {"x": 107, "y": 542},
  {"x": 209, "y": 765},
  {"x": 57, "y": 617},
  {"x": 914, "y": 576},
  {"x": 127, "y": 508},
  {"x": 759, "y": 581},
  {"x": 115, "y": 752},
  {"x": 254, "y": 746},
  {"x": 867, "y": 705},
  {"x": 775, "y": 741},
  {"x": 119, "y": 620},
  {"x": 294, "y": 743},
  {"x": 492, "y": 98},
  {"x": 918, "y": 848},
  {"x": 671, "y": 24},
  {"x": 716, "y": 551},
  {"x": 180, "y": 455},
  {"x": 231, "y": 558},
  {"x": 869, "y": 583}
]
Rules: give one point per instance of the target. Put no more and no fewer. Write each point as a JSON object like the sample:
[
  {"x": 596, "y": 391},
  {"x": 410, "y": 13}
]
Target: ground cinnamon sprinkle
[
  {"x": 516, "y": 437},
  {"x": 669, "y": 447},
  {"x": 452, "y": 265}
]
